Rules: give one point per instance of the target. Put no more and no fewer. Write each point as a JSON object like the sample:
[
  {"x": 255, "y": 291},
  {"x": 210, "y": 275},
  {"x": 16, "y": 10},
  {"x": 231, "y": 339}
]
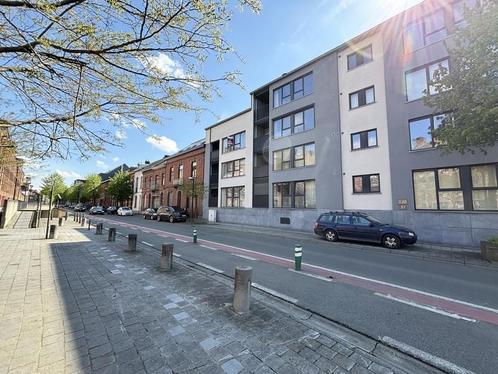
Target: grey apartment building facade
[{"x": 349, "y": 131}]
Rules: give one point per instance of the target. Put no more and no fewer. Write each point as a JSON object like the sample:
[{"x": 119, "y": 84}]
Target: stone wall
[{"x": 9, "y": 211}]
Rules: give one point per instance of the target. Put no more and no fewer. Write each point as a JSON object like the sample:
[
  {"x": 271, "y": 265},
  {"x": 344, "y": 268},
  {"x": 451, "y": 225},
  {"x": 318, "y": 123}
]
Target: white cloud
[
  {"x": 69, "y": 176},
  {"x": 163, "y": 143},
  {"x": 164, "y": 65},
  {"x": 120, "y": 134},
  {"x": 115, "y": 159},
  {"x": 101, "y": 165}
]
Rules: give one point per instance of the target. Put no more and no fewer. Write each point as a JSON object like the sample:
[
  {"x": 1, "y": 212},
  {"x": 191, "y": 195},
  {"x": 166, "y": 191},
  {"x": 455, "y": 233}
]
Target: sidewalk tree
[
  {"x": 470, "y": 89},
  {"x": 74, "y": 72},
  {"x": 71, "y": 194},
  {"x": 57, "y": 181},
  {"x": 195, "y": 192},
  {"x": 120, "y": 187},
  {"x": 91, "y": 187}
]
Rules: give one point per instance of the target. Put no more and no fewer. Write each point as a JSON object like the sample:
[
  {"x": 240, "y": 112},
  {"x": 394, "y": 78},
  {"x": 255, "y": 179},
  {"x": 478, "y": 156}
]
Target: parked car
[
  {"x": 150, "y": 213},
  {"x": 112, "y": 210},
  {"x": 80, "y": 208},
  {"x": 360, "y": 226},
  {"x": 125, "y": 211},
  {"x": 171, "y": 214},
  {"x": 96, "y": 210}
]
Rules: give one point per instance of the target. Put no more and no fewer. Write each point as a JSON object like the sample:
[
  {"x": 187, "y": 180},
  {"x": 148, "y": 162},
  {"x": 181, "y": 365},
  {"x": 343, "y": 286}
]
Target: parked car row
[{"x": 166, "y": 213}]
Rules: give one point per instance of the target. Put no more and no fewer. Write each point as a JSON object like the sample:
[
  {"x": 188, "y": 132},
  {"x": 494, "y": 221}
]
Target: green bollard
[
  {"x": 298, "y": 256},
  {"x": 194, "y": 235}
]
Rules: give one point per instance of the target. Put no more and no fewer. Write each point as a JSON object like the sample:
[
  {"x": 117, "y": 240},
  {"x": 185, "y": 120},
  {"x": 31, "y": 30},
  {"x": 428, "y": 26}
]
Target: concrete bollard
[
  {"x": 166, "y": 257},
  {"x": 89, "y": 223},
  {"x": 60, "y": 221},
  {"x": 242, "y": 289},
  {"x": 65, "y": 216},
  {"x": 74, "y": 217},
  {"x": 98, "y": 228},
  {"x": 83, "y": 222},
  {"x": 298, "y": 256},
  {"x": 52, "y": 234},
  {"x": 111, "y": 236},
  {"x": 78, "y": 215},
  {"x": 194, "y": 235},
  {"x": 132, "y": 242}
]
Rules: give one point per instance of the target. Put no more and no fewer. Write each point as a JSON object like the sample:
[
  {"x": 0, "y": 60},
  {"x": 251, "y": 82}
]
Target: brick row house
[
  {"x": 12, "y": 179},
  {"x": 104, "y": 198},
  {"x": 175, "y": 180}
]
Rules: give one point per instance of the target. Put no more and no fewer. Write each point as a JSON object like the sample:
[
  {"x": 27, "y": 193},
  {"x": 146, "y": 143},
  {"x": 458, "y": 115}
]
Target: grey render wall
[
  {"x": 464, "y": 228},
  {"x": 325, "y": 135}
]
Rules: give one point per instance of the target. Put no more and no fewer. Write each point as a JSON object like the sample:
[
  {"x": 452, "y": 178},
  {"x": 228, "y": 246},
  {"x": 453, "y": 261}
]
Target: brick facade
[{"x": 11, "y": 173}]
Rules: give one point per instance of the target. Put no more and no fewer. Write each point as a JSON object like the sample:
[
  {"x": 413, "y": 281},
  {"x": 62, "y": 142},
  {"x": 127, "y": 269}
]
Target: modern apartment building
[{"x": 349, "y": 131}]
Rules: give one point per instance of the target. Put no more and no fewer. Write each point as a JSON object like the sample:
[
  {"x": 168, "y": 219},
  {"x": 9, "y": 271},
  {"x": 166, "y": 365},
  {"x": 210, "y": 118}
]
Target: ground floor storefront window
[
  {"x": 232, "y": 197},
  {"x": 299, "y": 194}
]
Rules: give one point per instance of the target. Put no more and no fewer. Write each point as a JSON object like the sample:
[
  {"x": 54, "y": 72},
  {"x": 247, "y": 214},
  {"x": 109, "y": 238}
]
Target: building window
[
  {"x": 163, "y": 179},
  {"x": 369, "y": 183},
  {"x": 293, "y": 90},
  {"x": 234, "y": 142},
  {"x": 233, "y": 168},
  {"x": 425, "y": 31},
  {"x": 300, "y": 195},
  {"x": 459, "y": 9},
  {"x": 136, "y": 184},
  {"x": 180, "y": 171},
  {"x": 295, "y": 157},
  {"x": 193, "y": 169},
  {"x": 418, "y": 81},
  {"x": 364, "y": 139},
  {"x": 422, "y": 129},
  {"x": 361, "y": 57},
  {"x": 362, "y": 97},
  {"x": 232, "y": 197},
  {"x": 295, "y": 123},
  {"x": 156, "y": 182},
  {"x": 484, "y": 187},
  {"x": 171, "y": 173}
]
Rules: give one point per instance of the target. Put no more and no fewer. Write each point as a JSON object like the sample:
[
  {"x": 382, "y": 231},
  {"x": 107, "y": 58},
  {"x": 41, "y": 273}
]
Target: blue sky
[{"x": 283, "y": 36}]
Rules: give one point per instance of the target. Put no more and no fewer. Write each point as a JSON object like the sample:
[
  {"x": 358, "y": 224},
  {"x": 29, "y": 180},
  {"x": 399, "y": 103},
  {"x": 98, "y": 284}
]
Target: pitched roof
[{"x": 108, "y": 175}]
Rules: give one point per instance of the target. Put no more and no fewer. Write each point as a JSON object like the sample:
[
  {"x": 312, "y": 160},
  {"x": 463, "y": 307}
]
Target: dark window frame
[
  {"x": 234, "y": 169},
  {"x": 292, "y": 194},
  {"x": 292, "y": 91},
  {"x": 465, "y": 186},
  {"x": 362, "y": 97},
  {"x": 233, "y": 198},
  {"x": 359, "y": 53},
  {"x": 193, "y": 169},
  {"x": 239, "y": 142},
  {"x": 433, "y": 141},
  {"x": 364, "y": 139},
  {"x": 422, "y": 20},
  {"x": 292, "y": 157},
  {"x": 366, "y": 177},
  {"x": 292, "y": 122},
  {"x": 427, "y": 77}
]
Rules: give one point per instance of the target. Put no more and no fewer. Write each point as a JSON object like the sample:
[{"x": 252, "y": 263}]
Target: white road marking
[
  {"x": 311, "y": 275},
  {"x": 274, "y": 293},
  {"x": 181, "y": 240},
  {"x": 208, "y": 247},
  {"x": 438, "y": 362},
  {"x": 210, "y": 267},
  {"x": 177, "y": 255},
  {"x": 147, "y": 231},
  {"x": 245, "y": 257},
  {"x": 425, "y": 307},
  {"x": 150, "y": 245}
]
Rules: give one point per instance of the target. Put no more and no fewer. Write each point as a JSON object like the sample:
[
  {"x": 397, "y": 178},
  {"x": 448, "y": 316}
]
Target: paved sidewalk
[{"x": 80, "y": 304}]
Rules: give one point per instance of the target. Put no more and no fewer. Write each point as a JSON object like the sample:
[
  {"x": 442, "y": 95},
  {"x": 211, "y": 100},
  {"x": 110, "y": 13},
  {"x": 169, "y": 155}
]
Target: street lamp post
[
  {"x": 192, "y": 196},
  {"x": 50, "y": 208}
]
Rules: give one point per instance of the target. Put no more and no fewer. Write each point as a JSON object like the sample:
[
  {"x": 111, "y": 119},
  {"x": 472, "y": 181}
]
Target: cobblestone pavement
[{"x": 77, "y": 305}]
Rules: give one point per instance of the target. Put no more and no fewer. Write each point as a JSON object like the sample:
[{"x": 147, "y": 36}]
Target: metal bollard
[
  {"x": 78, "y": 218},
  {"x": 65, "y": 216},
  {"x": 166, "y": 257},
  {"x": 132, "y": 242},
  {"x": 53, "y": 232},
  {"x": 60, "y": 221},
  {"x": 89, "y": 223},
  {"x": 242, "y": 289},
  {"x": 298, "y": 256},
  {"x": 112, "y": 234},
  {"x": 74, "y": 217},
  {"x": 98, "y": 228},
  {"x": 83, "y": 221},
  {"x": 194, "y": 235}
]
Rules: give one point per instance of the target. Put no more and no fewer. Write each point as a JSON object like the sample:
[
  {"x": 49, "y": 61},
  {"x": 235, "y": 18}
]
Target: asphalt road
[{"x": 444, "y": 308}]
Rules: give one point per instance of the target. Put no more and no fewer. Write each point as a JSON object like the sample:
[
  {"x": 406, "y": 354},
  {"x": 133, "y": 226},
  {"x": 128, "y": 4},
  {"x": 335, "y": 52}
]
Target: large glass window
[
  {"x": 232, "y": 197},
  {"x": 418, "y": 81},
  {"x": 422, "y": 129},
  {"x": 424, "y": 31},
  {"x": 234, "y": 142},
  {"x": 424, "y": 184},
  {"x": 449, "y": 192},
  {"x": 362, "y": 97},
  {"x": 300, "y": 194},
  {"x": 484, "y": 187},
  {"x": 295, "y": 157},
  {"x": 180, "y": 171},
  {"x": 364, "y": 139},
  {"x": 294, "y": 123},
  {"x": 360, "y": 57},
  {"x": 369, "y": 183},
  {"x": 294, "y": 90},
  {"x": 233, "y": 168}
]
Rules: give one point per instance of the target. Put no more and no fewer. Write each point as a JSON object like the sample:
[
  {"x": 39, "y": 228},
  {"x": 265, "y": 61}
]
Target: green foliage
[
  {"x": 80, "y": 70},
  {"x": 90, "y": 187},
  {"x": 470, "y": 90},
  {"x": 493, "y": 241},
  {"x": 72, "y": 194},
  {"x": 57, "y": 181},
  {"x": 193, "y": 190},
  {"x": 120, "y": 187}
]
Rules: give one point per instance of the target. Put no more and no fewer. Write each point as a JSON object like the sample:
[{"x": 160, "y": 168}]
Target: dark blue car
[{"x": 360, "y": 226}]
